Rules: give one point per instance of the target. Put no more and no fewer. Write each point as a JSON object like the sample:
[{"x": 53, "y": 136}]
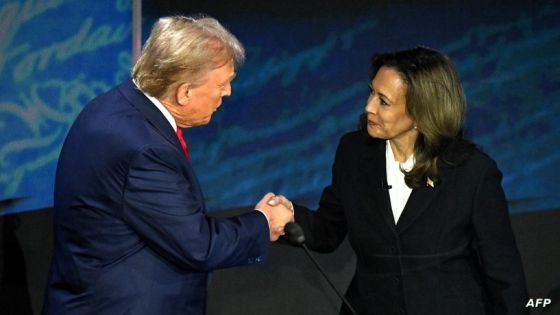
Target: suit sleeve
[
  {"x": 500, "y": 259},
  {"x": 161, "y": 205},
  {"x": 326, "y": 228}
]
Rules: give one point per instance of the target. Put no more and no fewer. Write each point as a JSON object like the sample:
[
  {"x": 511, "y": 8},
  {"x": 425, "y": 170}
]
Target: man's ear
[{"x": 183, "y": 93}]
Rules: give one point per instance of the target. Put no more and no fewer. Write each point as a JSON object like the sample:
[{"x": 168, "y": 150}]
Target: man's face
[{"x": 198, "y": 103}]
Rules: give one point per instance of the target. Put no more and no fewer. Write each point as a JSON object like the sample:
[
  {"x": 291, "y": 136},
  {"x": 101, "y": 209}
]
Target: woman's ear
[{"x": 183, "y": 93}]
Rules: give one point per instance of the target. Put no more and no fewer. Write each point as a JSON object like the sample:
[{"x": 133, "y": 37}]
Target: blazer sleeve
[
  {"x": 163, "y": 208},
  {"x": 326, "y": 228},
  {"x": 500, "y": 259}
]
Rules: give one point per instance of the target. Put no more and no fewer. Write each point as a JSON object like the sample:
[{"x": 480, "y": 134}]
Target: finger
[
  {"x": 283, "y": 200},
  {"x": 273, "y": 201},
  {"x": 268, "y": 195},
  {"x": 279, "y": 199}
]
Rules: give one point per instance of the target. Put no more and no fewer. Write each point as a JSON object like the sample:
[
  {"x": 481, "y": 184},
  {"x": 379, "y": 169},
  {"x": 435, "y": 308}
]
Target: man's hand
[
  {"x": 277, "y": 213},
  {"x": 279, "y": 199}
]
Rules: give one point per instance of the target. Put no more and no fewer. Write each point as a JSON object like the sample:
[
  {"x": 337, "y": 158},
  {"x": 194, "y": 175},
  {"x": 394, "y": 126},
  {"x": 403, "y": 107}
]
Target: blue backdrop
[
  {"x": 303, "y": 86},
  {"x": 54, "y": 57}
]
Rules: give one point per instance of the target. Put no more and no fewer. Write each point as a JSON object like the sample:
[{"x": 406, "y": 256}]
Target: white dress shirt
[{"x": 399, "y": 191}]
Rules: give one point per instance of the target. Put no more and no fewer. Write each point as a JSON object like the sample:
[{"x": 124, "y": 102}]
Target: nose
[
  {"x": 371, "y": 107},
  {"x": 227, "y": 90}
]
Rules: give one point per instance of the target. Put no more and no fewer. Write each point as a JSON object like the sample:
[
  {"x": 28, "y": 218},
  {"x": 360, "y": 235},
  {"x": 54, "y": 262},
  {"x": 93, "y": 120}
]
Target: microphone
[
  {"x": 295, "y": 235},
  {"x": 385, "y": 185}
]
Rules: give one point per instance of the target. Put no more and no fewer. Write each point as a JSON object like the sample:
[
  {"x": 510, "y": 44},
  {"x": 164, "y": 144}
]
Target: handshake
[{"x": 279, "y": 212}]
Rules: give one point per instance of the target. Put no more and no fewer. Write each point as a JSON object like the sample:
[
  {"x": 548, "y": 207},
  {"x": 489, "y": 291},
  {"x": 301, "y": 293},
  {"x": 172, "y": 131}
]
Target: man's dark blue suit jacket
[{"x": 131, "y": 231}]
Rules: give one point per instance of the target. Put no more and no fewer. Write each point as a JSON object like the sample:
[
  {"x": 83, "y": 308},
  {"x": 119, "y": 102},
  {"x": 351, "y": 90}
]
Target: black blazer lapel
[
  {"x": 418, "y": 201},
  {"x": 373, "y": 179}
]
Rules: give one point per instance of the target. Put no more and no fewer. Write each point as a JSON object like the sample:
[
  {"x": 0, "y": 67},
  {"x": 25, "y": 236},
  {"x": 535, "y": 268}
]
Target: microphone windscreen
[{"x": 295, "y": 233}]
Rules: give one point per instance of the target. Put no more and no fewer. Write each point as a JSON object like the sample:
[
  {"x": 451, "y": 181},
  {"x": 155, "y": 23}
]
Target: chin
[
  {"x": 202, "y": 122},
  {"x": 377, "y": 135},
  {"x": 372, "y": 132}
]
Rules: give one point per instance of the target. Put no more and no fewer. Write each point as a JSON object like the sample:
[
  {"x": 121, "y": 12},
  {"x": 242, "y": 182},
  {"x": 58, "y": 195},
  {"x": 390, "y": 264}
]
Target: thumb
[
  {"x": 272, "y": 201},
  {"x": 268, "y": 196}
]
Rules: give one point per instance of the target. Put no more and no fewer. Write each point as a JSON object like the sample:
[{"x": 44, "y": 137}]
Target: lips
[{"x": 372, "y": 123}]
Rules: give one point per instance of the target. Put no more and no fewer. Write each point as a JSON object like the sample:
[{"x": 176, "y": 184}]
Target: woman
[{"x": 423, "y": 208}]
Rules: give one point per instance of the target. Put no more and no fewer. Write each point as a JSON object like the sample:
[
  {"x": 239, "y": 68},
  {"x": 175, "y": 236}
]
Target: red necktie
[{"x": 183, "y": 143}]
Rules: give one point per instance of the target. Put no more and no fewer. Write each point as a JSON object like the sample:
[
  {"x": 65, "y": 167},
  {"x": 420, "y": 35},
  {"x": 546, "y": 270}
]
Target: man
[{"x": 131, "y": 231}]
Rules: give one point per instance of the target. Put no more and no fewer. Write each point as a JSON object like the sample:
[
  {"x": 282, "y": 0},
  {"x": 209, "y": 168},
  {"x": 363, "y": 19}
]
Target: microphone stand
[
  {"x": 295, "y": 235},
  {"x": 308, "y": 252}
]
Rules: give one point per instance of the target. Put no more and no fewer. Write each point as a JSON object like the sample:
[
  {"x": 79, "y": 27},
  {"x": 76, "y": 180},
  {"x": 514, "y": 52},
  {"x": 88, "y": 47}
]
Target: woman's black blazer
[{"x": 451, "y": 252}]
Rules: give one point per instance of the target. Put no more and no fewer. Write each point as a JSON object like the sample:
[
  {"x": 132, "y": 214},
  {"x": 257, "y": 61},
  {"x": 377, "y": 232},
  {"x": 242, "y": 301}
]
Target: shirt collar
[
  {"x": 390, "y": 157},
  {"x": 159, "y": 106}
]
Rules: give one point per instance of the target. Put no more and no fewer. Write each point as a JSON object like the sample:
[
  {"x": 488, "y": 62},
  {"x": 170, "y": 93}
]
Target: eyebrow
[
  {"x": 381, "y": 94},
  {"x": 228, "y": 79},
  {"x": 386, "y": 97}
]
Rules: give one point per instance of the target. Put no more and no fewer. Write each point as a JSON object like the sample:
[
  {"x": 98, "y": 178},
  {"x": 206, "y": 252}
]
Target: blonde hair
[{"x": 183, "y": 49}]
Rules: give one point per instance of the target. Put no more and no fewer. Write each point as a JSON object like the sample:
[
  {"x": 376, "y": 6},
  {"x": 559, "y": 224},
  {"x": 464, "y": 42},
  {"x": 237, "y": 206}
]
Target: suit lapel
[
  {"x": 373, "y": 176},
  {"x": 417, "y": 203},
  {"x": 150, "y": 111},
  {"x": 160, "y": 123}
]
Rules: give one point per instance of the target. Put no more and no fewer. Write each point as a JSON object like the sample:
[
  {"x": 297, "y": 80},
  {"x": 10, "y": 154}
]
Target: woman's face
[{"x": 387, "y": 117}]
